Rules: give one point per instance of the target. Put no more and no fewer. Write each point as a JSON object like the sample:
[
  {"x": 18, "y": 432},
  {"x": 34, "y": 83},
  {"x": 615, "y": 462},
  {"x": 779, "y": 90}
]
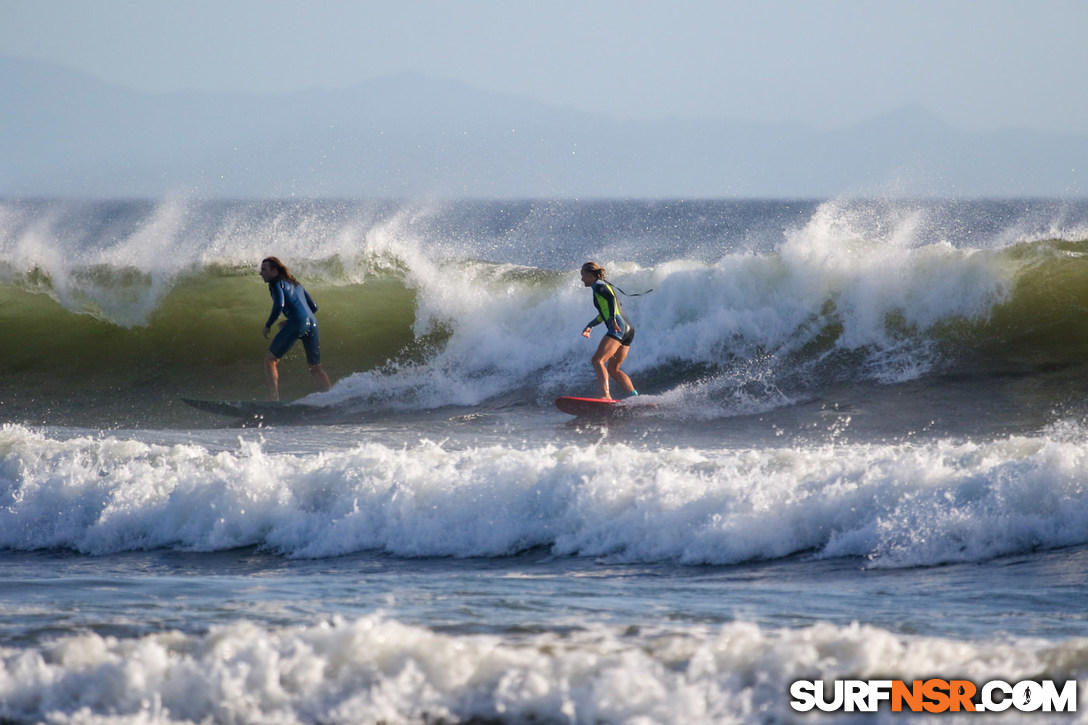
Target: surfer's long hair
[
  {"x": 281, "y": 269},
  {"x": 593, "y": 268},
  {"x": 598, "y": 271}
]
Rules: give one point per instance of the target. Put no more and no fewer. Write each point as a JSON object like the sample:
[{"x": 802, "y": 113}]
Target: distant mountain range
[{"x": 63, "y": 133}]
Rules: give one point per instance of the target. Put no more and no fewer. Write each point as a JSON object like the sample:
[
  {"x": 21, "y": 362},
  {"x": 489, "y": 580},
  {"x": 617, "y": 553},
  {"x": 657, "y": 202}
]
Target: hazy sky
[{"x": 976, "y": 64}]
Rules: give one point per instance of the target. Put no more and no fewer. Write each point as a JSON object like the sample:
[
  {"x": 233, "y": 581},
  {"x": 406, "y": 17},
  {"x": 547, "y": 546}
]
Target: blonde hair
[{"x": 593, "y": 268}]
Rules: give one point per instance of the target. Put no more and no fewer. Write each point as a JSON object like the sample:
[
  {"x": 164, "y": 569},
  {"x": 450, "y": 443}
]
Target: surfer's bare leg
[
  {"x": 321, "y": 377},
  {"x": 618, "y": 375},
  {"x": 272, "y": 374},
  {"x": 605, "y": 351}
]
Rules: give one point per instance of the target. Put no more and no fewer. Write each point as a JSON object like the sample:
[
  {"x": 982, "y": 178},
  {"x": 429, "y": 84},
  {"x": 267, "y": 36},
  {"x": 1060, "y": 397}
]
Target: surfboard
[
  {"x": 588, "y": 406},
  {"x": 259, "y": 410}
]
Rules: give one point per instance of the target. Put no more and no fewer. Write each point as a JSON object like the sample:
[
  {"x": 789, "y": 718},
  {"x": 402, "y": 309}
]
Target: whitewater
[{"x": 860, "y": 452}]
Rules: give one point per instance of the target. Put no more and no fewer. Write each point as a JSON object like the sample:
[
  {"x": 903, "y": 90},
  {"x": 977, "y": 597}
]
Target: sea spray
[{"x": 432, "y": 305}]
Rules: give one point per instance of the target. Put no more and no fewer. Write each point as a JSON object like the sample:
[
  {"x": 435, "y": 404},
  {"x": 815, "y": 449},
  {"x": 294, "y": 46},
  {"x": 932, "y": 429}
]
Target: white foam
[
  {"x": 877, "y": 280},
  {"x": 376, "y": 669},
  {"x": 895, "y": 505},
  {"x": 746, "y": 314}
]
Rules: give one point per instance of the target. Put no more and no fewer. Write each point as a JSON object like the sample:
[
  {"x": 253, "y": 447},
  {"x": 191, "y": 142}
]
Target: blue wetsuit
[
  {"x": 298, "y": 307},
  {"x": 610, "y": 313}
]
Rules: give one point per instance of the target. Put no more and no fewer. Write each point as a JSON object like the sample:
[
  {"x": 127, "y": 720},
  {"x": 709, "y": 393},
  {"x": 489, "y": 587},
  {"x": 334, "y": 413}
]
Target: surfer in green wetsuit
[
  {"x": 290, "y": 298},
  {"x": 619, "y": 333}
]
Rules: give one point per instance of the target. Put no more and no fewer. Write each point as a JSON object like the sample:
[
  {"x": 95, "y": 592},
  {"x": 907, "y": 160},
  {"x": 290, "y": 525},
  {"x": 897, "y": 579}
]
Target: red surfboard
[{"x": 588, "y": 406}]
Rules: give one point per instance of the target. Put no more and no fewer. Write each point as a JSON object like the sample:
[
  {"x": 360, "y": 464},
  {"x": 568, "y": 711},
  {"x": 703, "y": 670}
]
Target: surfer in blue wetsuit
[
  {"x": 619, "y": 332},
  {"x": 289, "y": 297}
]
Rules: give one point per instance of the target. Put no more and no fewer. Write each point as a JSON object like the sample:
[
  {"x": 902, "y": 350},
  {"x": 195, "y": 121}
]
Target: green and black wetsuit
[{"x": 611, "y": 313}]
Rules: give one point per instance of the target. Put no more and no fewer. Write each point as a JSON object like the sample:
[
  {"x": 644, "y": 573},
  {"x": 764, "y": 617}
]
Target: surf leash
[{"x": 627, "y": 294}]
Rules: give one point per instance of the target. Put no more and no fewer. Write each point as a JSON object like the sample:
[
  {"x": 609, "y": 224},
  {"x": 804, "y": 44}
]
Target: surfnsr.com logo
[{"x": 933, "y": 695}]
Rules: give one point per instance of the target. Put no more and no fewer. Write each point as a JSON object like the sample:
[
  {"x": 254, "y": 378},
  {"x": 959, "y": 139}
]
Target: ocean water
[{"x": 860, "y": 452}]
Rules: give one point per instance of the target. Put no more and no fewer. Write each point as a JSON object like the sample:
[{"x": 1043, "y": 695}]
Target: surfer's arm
[
  {"x": 277, "y": 305},
  {"x": 309, "y": 301}
]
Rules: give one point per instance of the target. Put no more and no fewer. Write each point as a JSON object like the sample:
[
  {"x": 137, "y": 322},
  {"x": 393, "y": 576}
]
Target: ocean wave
[
  {"x": 901, "y": 505},
  {"x": 375, "y": 669},
  {"x": 420, "y": 312}
]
